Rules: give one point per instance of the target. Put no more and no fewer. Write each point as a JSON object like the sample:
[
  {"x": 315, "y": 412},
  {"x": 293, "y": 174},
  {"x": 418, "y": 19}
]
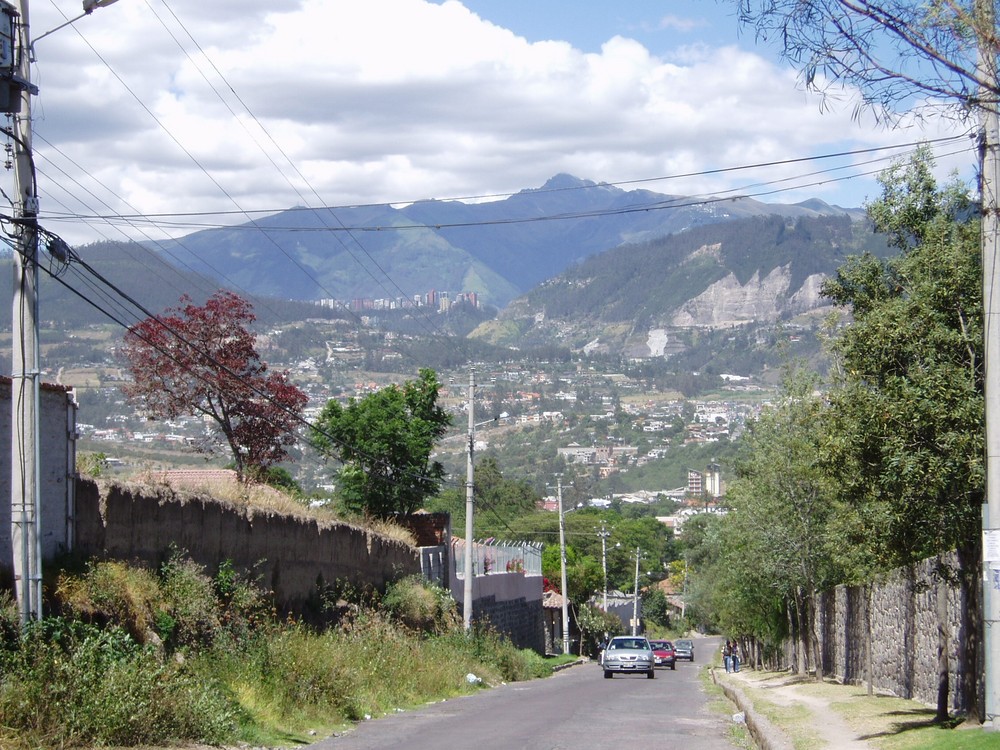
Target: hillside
[
  {"x": 499, "y": 249},
  {"x": 661, "y": 297},
  {"x": 74, "y": 297}
]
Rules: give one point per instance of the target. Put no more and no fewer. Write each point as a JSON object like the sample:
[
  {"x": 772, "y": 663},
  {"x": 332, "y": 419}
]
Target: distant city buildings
[{"x": 435, "y": 300}]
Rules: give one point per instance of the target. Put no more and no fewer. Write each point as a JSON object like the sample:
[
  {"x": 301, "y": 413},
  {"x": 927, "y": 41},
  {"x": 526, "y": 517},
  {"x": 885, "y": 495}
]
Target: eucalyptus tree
[
  {"x": 777, "y": 534},
  {"x": 906, "y": 437}
]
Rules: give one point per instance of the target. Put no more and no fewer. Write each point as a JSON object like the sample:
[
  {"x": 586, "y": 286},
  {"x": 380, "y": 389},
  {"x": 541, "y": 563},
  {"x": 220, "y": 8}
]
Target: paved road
[{"x": 576, "y": 708}]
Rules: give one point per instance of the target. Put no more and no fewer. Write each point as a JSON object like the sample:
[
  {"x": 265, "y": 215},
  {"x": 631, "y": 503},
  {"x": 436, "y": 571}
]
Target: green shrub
[
  {"x": 487, "y": 647},
  {"x": 421, "y": 605},
  {"x": 112, "y": 592},
  {"x": 74, "y": 684}
]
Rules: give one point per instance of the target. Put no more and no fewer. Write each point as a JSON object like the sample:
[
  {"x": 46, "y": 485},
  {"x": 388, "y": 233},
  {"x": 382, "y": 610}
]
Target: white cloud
[{"x": 392, "y": 100}]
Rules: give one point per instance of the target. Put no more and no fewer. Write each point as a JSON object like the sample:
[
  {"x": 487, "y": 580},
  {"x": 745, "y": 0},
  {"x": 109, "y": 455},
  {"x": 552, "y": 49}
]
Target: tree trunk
[
  {"x": 811, "y": 614},
  {"x": 943, "y": 643},
  {"x": 970, "y": 639},
  {"x": 869, "y": 655},
  {"x": 803, "y": 622},
  {"x": 793, "y": 638}
]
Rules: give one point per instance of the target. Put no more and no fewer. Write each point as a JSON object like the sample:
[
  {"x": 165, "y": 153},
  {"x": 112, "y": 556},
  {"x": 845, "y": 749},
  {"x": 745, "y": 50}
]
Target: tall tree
[
  {"x": 778, "y": 528},
  {"x": 906, "y": 435},
  {"x": 202, "y": 360},
  {"x": 385, "y": 441}
]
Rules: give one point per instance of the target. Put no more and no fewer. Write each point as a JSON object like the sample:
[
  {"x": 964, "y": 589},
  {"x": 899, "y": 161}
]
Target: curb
[{"x": 765, "y": 735}]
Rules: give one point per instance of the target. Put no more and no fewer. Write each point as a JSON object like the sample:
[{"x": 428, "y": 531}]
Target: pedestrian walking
[
  {"x": 727, "y": 656},
  {"x": 735, "y": 656}
]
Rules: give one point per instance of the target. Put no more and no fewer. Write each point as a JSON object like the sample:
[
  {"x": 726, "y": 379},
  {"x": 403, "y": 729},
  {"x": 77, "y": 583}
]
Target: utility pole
[
  {"x": 604, "y": 534},
  {"x": 635, "y": 597},
  {"x": 990, "y": 183},
  {"x": 562, "y": 561},
  {"x": 24, "y": 499},
  {"x": 469, "y": 504}
]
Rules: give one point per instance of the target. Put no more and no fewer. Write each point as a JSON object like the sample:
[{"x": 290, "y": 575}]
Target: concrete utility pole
[
  {"x": 469, "y": 504},
  {"x": 990, "y": 184},
  {"x": 604, "y": 534},
  {"x": 562, "y": 564},
  {"x": 25, "y": 482},
  {"x": 635, "y": 597}
]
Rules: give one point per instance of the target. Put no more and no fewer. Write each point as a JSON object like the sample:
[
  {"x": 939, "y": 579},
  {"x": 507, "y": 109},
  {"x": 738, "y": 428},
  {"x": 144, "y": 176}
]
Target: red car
[{"x": 663, "y": 654}]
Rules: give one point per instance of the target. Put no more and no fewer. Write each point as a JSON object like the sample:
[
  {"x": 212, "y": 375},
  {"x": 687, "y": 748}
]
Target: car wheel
[
  {"x": 651, "y": 674},
  {"x": 608, "y": 675}
]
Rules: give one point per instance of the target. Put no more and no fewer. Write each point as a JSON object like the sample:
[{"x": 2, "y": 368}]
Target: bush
[
  {"x": 73, "y": 683},
  {"x": 421, "y": 605}
]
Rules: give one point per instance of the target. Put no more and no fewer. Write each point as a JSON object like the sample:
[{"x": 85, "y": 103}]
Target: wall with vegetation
[
  {"x": 904, "y": 634},
  {"x": 292, "y": 556}
]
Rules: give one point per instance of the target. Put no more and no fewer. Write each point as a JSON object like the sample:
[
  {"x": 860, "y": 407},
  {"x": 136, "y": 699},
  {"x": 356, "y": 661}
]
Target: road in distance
[{"x": 576, "y": 708}]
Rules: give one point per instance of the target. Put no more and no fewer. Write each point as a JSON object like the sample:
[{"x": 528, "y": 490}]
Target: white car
[{"x": 628, "y": 654}]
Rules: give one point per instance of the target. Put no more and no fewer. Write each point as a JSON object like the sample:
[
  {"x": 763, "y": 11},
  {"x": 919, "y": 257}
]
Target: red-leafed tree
[{"x": 202, "y": 360}]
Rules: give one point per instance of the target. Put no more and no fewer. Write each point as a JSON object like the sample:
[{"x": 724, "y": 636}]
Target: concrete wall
[
  {"x": 57, "y": 436},
  {"x": 291, "y": 555},
  {"x": 512, "y": 602},
  {"x": 904, "y": 634}
]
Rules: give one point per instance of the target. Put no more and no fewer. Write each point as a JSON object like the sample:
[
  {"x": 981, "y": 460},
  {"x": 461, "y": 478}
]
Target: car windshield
[
  {"x": 684, "y": 644},
  {"x": 639, "y": 644}
]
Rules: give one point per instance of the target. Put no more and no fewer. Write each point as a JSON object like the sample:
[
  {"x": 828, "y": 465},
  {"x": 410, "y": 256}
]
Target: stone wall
[
  {"x": 904, "y": 634},
  {"x": 291, "y": 555}
]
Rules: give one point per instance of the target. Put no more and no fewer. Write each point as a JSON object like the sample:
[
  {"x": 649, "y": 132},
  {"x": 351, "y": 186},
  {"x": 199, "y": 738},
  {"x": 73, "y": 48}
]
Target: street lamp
[
  {"x": 89, "y": 6},
  {"x": 16, "y": 55}
]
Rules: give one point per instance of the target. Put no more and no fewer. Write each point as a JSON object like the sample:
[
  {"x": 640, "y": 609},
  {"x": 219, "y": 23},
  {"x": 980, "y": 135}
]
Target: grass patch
[
  {"x": 133, "y": 657},
  {"x": 719, "y": 704},
  {"x": 884, "y": 722}
]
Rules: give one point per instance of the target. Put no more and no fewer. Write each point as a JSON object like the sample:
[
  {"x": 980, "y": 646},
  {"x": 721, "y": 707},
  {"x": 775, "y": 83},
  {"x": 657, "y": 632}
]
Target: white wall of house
[{"x": 57, "y": 435}]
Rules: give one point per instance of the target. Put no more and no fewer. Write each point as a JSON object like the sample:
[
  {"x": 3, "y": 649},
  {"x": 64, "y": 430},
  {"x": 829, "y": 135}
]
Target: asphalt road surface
[{"x": 576, "y": 708}]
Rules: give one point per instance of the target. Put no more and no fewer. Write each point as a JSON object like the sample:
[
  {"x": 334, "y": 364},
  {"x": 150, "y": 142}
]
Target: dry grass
[{"x": 263, "y": 499}]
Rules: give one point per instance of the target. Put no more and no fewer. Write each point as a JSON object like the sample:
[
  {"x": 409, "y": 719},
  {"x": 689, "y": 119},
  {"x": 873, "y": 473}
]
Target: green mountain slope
[{"x": 646, "y": 299}]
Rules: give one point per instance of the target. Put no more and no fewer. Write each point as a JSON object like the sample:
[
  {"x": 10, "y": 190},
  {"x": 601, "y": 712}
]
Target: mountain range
[
  {"x": 669, "y": 295},
  {"x": 498, "y": 249}
]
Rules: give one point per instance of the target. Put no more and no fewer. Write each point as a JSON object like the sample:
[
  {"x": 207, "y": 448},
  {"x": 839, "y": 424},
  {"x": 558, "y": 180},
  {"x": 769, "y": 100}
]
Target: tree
[
  {"x": 202, "y": 360},
  {"x": 385, "y": 441},
  {"x": 906, "y": 438},
  {"x": 890, "y": 51},
  {"x": 778, "y": 528}
]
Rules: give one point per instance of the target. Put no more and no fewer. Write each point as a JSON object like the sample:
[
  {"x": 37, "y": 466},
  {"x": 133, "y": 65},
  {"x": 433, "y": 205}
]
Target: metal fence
[{"x": 491, "y": 556}]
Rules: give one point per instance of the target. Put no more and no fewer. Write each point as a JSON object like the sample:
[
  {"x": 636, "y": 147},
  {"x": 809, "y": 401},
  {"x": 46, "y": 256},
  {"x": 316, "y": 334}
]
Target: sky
[{"x": 158, "y": 117}]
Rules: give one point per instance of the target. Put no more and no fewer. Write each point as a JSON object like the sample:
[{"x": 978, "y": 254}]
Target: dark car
[
  {"x": 663, "y": 654},
  {"x": 628, "y": 654},
  {"x": 684, "y": 649}
]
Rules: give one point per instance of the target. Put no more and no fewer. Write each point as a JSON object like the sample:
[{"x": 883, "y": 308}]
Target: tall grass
[{"x": 136, "y": 657}]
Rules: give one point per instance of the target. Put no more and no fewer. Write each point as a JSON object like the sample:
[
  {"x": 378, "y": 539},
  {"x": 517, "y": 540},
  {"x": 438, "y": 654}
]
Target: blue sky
[
  {"x": 233, "y": 107},
  {"x": 660, "y": 25}
]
